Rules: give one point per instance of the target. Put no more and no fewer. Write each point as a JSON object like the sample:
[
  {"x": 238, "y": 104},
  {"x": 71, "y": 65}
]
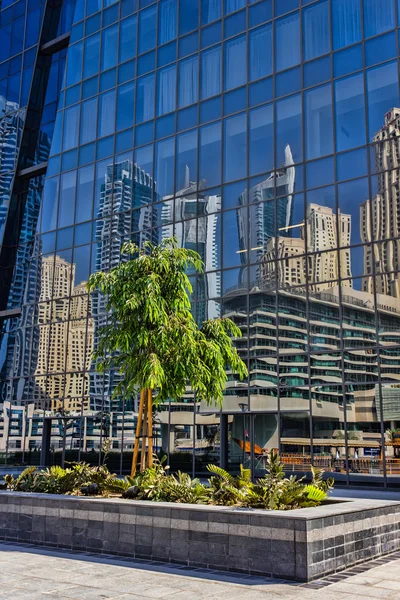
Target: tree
[{"x": 152, "y": 338}]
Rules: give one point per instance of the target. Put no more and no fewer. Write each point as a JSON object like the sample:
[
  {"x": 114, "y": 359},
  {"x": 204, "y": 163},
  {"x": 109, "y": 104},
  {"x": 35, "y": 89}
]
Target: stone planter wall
[{"x": 300, "y": 545}]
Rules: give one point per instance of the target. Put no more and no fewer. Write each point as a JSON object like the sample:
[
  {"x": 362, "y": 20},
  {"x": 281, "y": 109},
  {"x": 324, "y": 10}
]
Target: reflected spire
[{"x": 187, "y": 176}]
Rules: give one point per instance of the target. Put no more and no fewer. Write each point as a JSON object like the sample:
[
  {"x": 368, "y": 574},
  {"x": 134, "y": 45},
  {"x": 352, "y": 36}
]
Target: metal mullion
[
  {"x": 338, "y": 258},
  {"x": 302, "y": 165},
  {"x": 373, "y": 146}
]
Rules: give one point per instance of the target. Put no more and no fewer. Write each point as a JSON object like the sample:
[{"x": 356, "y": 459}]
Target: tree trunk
[{"x": 144, "y": 432}]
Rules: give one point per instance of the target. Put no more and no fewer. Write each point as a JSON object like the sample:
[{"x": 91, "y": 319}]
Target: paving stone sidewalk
[{"x": 29, "y": 573}]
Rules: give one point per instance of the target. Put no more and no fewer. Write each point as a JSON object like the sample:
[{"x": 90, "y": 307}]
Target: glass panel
[
  {"x": 84, "y": 196},
  {"x": 350, "y": 112},
  {"x": 167, "y": 21},
  {"x": 71, "y": 127},
  {"x": 127, "y": 39},
  {"x": 186, "y": 160},
  {"x": 319, "y": 134},
  {"x": 235, "y": 62},
  {"x": 145, "y": 99},
  {"x": 287, "y": 55},
  {"x": 211, "y": 73},
  {"x": 91, "y": 56},
  {"x": 378, "y": 16},
  {"x": 289, "y": 129},
  {"x": 383, "y": 95},
  {"x": 166, "y": 90},
  {"x": 147, "y": 29},
  {"x": 235, "y": 152},
  {"x": 164, "y": 172},
  {"x": 210, "y": 154},
  {"x": 260, "y": 52},
  {"x": 106, "y": 124},
  {"x": 346, "y": 22},
  {"x": 88, "y": 121},
  {"x": 316, "y": 35},
  {"x": 261, "y": 139},
  {"x": 210, "y": 10},
  {"x": 67, "y": 199},
  {"x": 188, "y": 81},
  {"x": 109, "y": 49},
  {"x": 125, "y": 106}
]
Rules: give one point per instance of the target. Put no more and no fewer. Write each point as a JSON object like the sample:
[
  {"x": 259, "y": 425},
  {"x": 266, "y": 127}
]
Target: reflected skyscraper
[
  {"x": 125, "y": 212},
  {"x": 196, "y": 214},
  {"x": 270, "y": 213},
  {"x": 380, "y": 216}
]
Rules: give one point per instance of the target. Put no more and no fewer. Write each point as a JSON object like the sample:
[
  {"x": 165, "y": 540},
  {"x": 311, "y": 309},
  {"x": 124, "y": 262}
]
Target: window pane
[
  {"x": 71, "y": 127},
  {"x": 346, "y": 22},
  {"x": 261, "y": 140},
  {"x": 235, "y": 153},
  {"x": 289, "y": 129},
  {"x": 167, "y": 20},
  {"x": 91, "y": 56},
  {"x": 260, "y": 52},
  {"x": 126, "y": 94},
  {"x": 188, "y": 15},
  {"x": 378, "y": 16},
  {"x": 88, "y": 121},
  {"x": 166, "y": 90},
  {"x": 235, "y": 62},
  {"x": 316, "y": 30},
  {"x": 350, "y": 112},
  {"x": 147, "y": 29},
  {"x": 186, "y": 159},
  {"x": 188, "y": 81},
  {"x": 74, "y": 69},
  {"x": 109, "y": 48},
  {"x": 145, "y": 99},
  {"x": 49, "y": 208},
  {"x": 67, "y": 199},
  {"x": 164, "y": 172},
  {"x": 106, "y": 123},
  {"x": 210, "y": 10},
  {"x": 231, "y": 5},
  {"x": 84, "y": 194},
  {"x": 211, "y": 72},
  {"x": 287, "y": 54},
  {"x": 210, "y": 154},
  {"x": 319, "y": 140},
  {"x": 383, "y": 94},
  {"x": 127, "y": 39}
]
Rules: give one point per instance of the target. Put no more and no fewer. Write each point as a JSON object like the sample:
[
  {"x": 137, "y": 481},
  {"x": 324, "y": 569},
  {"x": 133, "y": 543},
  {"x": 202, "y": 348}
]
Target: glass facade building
[{"x": 263, "y": 134}]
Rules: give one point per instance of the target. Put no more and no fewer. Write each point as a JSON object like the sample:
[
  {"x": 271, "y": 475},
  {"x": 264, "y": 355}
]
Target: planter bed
[{"x": 299, "y": 544}]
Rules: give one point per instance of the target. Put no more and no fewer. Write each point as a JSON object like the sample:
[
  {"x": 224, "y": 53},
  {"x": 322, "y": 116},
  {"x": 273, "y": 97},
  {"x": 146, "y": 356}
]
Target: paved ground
[{"x": 28, "y": 573}]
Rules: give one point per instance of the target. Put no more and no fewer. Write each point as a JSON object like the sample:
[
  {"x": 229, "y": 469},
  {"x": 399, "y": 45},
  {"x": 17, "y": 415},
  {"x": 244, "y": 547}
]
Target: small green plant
[{"x": 274, "y": 491}]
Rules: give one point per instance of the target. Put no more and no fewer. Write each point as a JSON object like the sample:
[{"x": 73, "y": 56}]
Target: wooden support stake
[
  {"x": 150, "y": 426},
  {"x": 144, "y": 435},
  {"x": 137, "y": 438}
]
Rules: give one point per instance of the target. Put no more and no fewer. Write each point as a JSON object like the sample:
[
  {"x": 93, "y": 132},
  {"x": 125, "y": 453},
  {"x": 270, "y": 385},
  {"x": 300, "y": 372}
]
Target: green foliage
[
  {"x": 57, "y": 480},
  {"x": 274, "y": 491},
  {"x": 151, "y": 336}
]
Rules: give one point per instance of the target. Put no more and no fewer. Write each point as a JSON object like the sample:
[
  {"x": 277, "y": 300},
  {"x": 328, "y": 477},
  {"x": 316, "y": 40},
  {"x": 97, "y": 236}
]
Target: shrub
[{"x": 274, "y": 491}]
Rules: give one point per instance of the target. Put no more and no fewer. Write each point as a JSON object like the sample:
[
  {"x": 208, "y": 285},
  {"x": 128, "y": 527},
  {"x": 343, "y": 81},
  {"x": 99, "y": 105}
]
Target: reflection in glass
[
  {"x": 260, "y": 52},
  {"x": 319, "y": 121},
  {"x": 188, "y": 81},
  {"x": 235, "y": 62},
  {"x": 316, "y": 30},
  {"x": 288, "y": 28},
  {"x": 346, "y": 22},
  {"x": 211, "y": 72}
]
